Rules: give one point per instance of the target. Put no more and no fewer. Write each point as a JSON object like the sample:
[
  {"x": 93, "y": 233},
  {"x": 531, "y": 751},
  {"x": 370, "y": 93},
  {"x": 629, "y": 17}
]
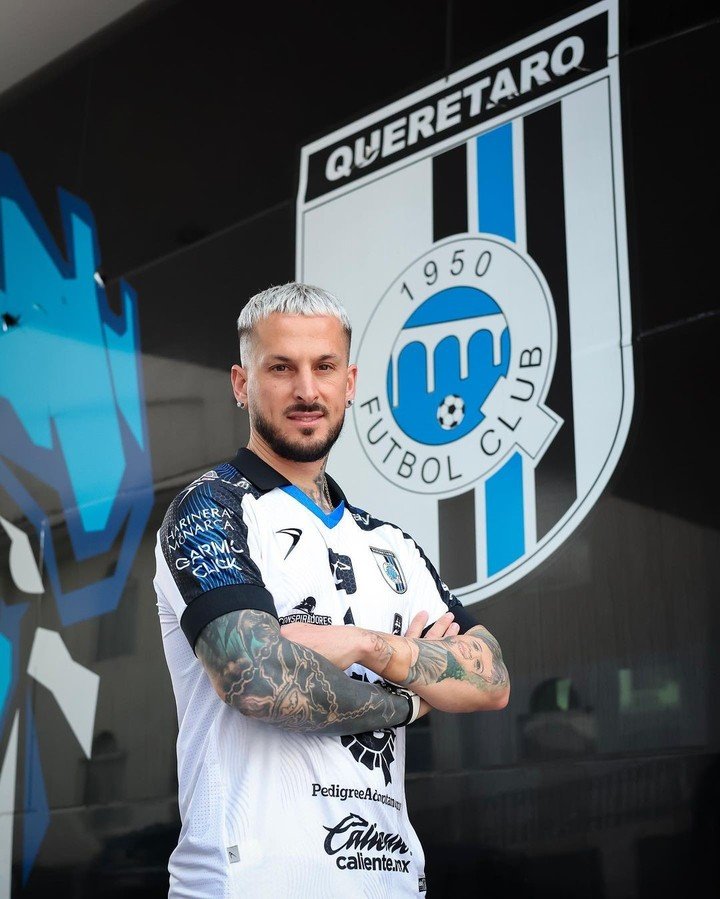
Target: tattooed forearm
[
  {"x": 381, "y": 650},
  {"x": 474, "y": 657},
  {"x": 433, "y": 663},
  {"x": 265, "y": 676},
  {"x": 499, "y": 673}
]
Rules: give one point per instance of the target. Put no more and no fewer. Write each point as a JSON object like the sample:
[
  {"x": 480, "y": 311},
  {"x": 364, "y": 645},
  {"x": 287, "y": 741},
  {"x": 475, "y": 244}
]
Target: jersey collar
[{"x": 265, "y": 478}]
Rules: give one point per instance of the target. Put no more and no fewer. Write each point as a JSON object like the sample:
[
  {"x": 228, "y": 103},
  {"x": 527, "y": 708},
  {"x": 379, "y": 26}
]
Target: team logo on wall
[
  {"x": 468, "y": 330},
  {"x": 475, "y": 230},
  {"x": 75, "y": 480}
]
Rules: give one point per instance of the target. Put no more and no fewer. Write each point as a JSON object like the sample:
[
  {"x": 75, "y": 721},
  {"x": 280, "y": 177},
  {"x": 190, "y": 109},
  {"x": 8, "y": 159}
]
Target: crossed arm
[
  {"x": 451, "y": 672},
  {"x": 298, "y": 683},
  {"x": 262, "y": 674}
]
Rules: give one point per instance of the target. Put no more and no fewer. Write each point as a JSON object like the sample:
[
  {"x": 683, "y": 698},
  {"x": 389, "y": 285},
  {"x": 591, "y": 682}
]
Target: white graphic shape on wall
[
  {"x": 74, "y": 687},
  {"x": 7, "y": 807},
  {"x": 23, "y": 567}
]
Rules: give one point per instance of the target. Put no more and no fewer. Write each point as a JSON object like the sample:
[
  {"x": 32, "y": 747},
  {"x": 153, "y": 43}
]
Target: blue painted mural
[{"x": 72, "y": 419}]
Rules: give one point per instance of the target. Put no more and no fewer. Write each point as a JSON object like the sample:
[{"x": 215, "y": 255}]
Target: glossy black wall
[{"x": 182, "y": 130}]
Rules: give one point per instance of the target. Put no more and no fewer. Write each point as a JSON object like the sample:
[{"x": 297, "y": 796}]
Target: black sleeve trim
[
  {"x": 462, "y": 617},
  {"x": 233, "y": 598}
]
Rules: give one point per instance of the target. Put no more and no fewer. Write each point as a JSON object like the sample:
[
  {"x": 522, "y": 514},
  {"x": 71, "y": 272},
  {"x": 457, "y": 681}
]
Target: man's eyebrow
[{"x": 279, "y": 358}]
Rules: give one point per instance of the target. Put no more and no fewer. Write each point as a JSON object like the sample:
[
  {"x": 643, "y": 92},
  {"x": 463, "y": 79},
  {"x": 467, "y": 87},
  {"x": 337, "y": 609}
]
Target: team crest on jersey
[{"x": 390, "y": 568}]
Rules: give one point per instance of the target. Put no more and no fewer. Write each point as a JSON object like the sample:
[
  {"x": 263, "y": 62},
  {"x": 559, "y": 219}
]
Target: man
[{"x": 304, "y": 615}]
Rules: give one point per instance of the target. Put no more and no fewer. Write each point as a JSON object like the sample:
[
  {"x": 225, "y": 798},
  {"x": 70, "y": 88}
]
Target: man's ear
[
  {"x": 351, "y": 382},
  {"x": 238, "y": 377}
]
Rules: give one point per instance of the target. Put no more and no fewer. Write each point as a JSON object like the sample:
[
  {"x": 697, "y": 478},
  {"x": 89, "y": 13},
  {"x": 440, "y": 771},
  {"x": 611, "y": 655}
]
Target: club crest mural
[{"x": 476, "y": 231}]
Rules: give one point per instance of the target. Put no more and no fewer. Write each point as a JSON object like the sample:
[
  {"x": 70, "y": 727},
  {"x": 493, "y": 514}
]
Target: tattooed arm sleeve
[
  {"x": 456, "y": 674},
  {"x": 262, "y": 675}
]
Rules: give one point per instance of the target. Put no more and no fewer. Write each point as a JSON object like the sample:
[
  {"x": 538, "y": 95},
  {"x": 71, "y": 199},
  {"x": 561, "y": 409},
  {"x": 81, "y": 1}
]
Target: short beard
[{"x": 292, "y": 451}]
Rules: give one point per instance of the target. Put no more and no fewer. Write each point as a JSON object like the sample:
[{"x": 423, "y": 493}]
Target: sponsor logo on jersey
[
  {"x": 342, "y": 572},
  {"x": 343, "y": 793},
  {"x": 307, "y": 605},
  {"x": 376, "y": 849},
  {"x": 195, "y": 522},
  {"x": 305, "y": 614},
  {"x": 294, "y": 534},
  {"x": 209, "y": 558},
  {"x": 364, "y": 520},
  {"x": 390, "y": 568}
]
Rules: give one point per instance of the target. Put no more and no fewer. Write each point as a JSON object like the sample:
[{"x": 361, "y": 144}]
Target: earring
[
  {"x": 240, "y": 405},
  {"x": 349, "y": 403}
]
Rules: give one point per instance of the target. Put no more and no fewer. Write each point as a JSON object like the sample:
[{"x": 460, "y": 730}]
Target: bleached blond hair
[{"x": 292, "y": 298}]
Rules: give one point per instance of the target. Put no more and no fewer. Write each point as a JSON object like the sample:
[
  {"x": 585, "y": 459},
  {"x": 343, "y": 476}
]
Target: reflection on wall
[
  {"x": 557, "y": 726},
  {"x": 104, "y": 771},
  {"x": 192, "y": 418}
]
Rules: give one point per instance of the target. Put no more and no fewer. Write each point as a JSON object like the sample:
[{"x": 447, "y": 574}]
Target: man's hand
[{"x": 445, "y": 626}]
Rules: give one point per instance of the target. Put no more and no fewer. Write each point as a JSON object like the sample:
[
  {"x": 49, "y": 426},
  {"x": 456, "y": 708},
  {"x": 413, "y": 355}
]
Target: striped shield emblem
[{"x": 475, "y": 231}]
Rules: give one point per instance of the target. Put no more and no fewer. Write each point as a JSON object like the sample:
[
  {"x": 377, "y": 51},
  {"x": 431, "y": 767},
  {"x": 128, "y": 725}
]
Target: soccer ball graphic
[{"x": 451, "y": 412}]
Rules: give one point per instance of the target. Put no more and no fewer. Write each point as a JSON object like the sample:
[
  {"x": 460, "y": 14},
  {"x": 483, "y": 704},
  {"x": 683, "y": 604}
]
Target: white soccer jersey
[{"x": 267, "y": 812}]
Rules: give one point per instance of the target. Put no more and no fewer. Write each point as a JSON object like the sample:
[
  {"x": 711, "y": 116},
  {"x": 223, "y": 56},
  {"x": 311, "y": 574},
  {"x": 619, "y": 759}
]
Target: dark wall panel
[
  {"x": 194, "y": 120},
  {"x": 671, "y": 176}
]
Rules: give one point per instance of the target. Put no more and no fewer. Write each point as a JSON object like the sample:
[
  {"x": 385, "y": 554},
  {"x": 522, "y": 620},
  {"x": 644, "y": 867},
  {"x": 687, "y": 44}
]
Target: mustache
[{"x": 306, "y": 407}]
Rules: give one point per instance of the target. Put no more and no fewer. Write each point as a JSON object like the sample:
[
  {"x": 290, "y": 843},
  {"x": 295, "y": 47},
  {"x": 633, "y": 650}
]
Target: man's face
[{"x": 297, "y": 382}]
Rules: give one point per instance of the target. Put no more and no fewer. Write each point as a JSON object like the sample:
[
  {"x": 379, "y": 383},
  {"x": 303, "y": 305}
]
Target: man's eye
[
  {"x": 325, "y": 366},
  {"x": 279, "y": 367}
]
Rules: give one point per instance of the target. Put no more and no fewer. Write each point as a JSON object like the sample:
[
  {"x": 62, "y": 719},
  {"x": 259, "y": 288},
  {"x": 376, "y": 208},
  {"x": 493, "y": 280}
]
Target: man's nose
[{"x": 306, "y": 386}]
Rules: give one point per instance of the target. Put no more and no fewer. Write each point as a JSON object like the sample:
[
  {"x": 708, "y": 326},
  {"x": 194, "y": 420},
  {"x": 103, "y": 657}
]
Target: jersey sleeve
[
  {"x": 428, "y": 593},
  {"x": 208, "y": 559}
]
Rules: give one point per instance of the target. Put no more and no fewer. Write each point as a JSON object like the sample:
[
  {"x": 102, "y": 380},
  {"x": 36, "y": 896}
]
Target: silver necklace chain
[{"x": 326, "y": 492}]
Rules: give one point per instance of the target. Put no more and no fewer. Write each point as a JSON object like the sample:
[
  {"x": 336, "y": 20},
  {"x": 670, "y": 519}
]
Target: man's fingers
[
  {"x": 415, "y": 628},
  {"x": 441, "y": 627},
  {"x": 445, "y": 626}
]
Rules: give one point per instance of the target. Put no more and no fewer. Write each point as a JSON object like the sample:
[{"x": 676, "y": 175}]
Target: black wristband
[{"x": 413, "y": 709}]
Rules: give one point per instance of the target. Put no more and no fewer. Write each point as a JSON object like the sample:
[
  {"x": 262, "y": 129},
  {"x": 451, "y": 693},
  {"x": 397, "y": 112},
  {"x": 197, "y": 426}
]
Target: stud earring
[
  {"x": 349, "y": 403},
  {"x": 240, "y": 405}
]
